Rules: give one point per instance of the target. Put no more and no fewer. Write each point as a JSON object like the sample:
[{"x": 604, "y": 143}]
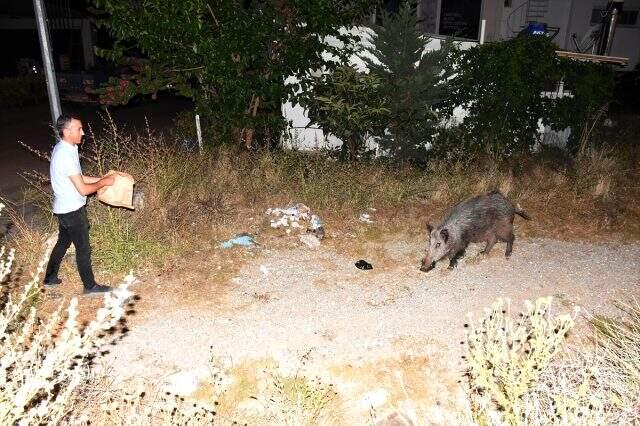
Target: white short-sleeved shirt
[{"x": 65, "y": 162}]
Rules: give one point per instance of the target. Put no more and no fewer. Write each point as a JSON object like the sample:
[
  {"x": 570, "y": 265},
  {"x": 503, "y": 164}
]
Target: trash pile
[{"x": 289, "y": 219}]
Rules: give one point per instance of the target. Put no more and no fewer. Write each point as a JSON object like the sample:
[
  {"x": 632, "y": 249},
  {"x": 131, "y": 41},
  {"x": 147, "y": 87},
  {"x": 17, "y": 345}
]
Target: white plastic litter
[
  {"x": 310, "y": 241},
  {"x": 366, "y": 218}
]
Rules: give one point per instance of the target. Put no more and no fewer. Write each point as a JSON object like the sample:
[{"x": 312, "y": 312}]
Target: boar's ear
[
  {"x": 429, "y": 227},
  {"x": 444, "y": 233}
]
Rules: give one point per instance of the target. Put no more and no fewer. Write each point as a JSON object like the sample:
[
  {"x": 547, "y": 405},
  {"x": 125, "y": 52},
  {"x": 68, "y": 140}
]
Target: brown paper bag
[{"x": 120, "y": 194}]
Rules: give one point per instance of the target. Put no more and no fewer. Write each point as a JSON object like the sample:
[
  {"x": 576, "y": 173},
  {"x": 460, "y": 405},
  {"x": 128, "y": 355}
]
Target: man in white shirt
[{"x": 70, "y": 190}]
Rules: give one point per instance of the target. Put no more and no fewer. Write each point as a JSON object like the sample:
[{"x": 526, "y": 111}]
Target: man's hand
[
  {"x": 89, "y": 188},
  {"x": 108, "y": 180}
]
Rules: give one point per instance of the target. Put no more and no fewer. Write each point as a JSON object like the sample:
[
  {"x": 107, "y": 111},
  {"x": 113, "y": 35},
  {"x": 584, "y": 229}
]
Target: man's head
[{"x": 69, "y": 128}]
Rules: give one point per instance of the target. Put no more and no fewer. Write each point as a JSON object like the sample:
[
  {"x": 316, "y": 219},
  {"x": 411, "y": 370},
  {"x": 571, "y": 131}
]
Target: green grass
[{"x": 119, "y": 245}]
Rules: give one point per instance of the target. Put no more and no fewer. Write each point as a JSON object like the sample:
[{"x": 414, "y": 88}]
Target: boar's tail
[{"x": 522, "y": 213}]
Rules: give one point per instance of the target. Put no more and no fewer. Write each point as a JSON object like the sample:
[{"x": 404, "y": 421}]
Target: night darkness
[{"x": 19, "y": 41}]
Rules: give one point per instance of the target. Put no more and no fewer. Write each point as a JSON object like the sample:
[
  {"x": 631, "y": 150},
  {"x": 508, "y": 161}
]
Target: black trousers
[{"x": 73, "y": 228}]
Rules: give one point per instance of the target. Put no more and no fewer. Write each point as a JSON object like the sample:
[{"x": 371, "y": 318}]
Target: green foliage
[
  {"x": 591, "y": 86},
  {"x": 347, "y": 103},
  {"x": 412, "y": 83},
  {"x": 232, "y": 57},
  {"x": 500, "y": 85}
]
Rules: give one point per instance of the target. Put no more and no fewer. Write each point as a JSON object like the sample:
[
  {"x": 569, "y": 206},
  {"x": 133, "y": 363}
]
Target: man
[{"x": 70, "y": 190}]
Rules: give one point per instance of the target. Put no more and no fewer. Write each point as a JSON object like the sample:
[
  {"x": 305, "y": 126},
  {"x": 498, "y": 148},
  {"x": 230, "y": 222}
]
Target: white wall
[
  {"x": 559, "y": 15},
  {"x": 492, "y": 12},
  {"x": 512, "y": 19},
  {"x": 626, "y": 41},
  {"x": 299, "y": 136}
]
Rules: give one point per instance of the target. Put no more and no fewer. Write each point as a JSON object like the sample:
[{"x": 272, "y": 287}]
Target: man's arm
[
  {"x": 90, "y": 179},
  {"x": 89, "y": 188}
]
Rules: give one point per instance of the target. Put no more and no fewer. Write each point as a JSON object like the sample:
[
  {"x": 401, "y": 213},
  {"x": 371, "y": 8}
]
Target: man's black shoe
[
  {"x": 52, "y": 283},
  {"x": 97, "y": 289}
]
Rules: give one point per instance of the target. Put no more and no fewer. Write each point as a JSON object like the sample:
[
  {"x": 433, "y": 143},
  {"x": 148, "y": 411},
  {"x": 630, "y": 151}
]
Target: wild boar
[{"x": 485, "y": 218}]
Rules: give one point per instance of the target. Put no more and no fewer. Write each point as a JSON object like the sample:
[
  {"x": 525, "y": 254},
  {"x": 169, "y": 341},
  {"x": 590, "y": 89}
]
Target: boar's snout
[{"x": 427, "y": 266}]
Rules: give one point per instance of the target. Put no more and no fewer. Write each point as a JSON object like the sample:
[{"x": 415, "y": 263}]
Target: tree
[
  {"x": 231, "y": 57},
  {"x": 413, "y": 81},
  {"x": 347, "y": 104}
]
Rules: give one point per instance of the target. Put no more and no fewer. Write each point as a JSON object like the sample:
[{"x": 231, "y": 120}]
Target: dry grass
[
  {"x": 192, "y": 199},
  {"x": 252, "y": 392},
  {"x": 29, "y": 238},
  {"x": 421, "y": 387},
  {"x": 520, "y": 372},
  {"x": 264, "y": 394},
  {"x": 506, "y": 356}
]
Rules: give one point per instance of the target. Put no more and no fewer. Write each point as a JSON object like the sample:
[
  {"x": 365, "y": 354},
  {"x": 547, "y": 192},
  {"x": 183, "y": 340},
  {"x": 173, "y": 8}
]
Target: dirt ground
[{"x": 385, "y": 338}]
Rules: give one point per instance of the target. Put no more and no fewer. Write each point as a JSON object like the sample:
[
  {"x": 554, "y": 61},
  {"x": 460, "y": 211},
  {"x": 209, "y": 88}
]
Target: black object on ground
[{"x": 363, "y": 264}]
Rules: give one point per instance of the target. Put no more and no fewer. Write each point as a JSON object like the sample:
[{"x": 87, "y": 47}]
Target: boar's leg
[
  {"x": 510, "y": 241},
  {"x": 490, "y": 243},
  {"x": 453, "y": 262}
]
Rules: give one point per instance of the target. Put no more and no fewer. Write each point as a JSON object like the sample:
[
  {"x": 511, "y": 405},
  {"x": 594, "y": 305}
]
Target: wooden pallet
[{"x": 616, "y": 60}]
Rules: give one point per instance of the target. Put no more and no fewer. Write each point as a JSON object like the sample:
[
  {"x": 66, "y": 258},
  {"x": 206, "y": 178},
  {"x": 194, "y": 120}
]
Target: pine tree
[{"x": 412, "y": 82}]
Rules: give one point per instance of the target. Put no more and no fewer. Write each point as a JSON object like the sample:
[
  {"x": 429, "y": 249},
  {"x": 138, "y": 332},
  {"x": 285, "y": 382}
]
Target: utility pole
[
  {"x": 47, "y": 60},
  {"x": 614, "y": 7}
]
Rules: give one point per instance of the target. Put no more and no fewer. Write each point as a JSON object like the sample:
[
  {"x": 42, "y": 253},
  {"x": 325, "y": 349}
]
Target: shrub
[
  {"x": 347, "y": 104},
  {"x": 505, "y": 358},
  {"x": 619, "y": 348},
  {"x": 591, "y": 87},
  {"x": 500, "y": 86},
  {"x": 42, "y": 363},
  {"x": 519, "y": 373}
]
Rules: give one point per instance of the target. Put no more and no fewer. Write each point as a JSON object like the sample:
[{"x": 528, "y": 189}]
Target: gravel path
[{"x": 285, "y": 302}]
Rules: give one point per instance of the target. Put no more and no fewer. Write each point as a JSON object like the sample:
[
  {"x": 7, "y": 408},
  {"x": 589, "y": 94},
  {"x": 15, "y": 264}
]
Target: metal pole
[
  {"x": 609, "y": 27},
  {"x": 612, "y": 29},
  {"x": 47, "y": 60},
  {"x": 482, "y": 28},
  {"x": 199, "y": 132}
]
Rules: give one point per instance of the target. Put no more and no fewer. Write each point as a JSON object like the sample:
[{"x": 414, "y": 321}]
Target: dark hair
[{"x": 63, "y": 121}]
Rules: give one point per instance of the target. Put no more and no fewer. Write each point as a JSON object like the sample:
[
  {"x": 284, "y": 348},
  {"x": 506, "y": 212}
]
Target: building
[{"x": 573, "y": 24}]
